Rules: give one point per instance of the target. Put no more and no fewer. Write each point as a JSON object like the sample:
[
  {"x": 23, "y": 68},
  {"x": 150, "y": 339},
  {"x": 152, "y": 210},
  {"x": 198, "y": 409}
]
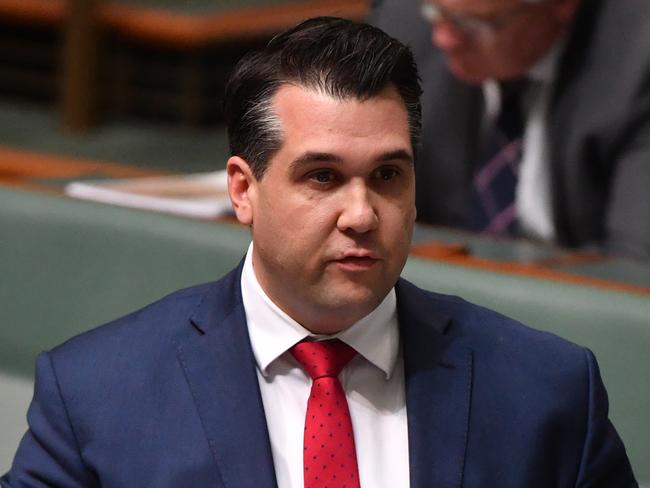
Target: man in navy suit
[{"x": 203, "y": 389}]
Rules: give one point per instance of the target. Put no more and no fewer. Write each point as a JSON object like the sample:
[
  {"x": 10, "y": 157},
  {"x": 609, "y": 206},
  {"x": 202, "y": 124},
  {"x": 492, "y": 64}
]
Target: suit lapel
[
  {"x": 571, "y": 118},
  {"x": 220, "y": 368},
  {"x": 438, "y": 379},
  {"x": 218, "y": 362}
]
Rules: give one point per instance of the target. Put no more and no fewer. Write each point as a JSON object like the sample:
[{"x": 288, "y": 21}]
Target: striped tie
[{"x": 493, "y": 208}]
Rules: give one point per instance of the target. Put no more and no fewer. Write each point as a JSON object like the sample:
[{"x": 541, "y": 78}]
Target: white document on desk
[{"x": 201, "y": 195}]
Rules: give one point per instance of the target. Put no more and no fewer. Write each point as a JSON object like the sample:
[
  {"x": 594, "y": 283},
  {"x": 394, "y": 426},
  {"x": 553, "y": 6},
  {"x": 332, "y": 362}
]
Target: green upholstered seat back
[{"x": 67, "y": 266}]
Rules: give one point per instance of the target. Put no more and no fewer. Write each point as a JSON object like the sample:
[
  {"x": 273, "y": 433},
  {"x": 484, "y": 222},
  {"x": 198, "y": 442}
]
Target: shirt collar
[
  {"x": 272, "y": 332},
  {"x": 543, "y": 73},
  {"x": 545, "y": 69}
]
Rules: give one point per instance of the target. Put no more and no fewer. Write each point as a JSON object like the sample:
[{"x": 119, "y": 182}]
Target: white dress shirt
[
  {"x": 533, "y": 194},
  {"x": 373, "y": 382}
]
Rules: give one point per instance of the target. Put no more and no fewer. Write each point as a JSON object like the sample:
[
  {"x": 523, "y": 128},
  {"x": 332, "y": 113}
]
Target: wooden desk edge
[
  {"x": 51, "y": 12},
  {"x": 184, "y": 30},
  {"x": 531, "y": 270}
]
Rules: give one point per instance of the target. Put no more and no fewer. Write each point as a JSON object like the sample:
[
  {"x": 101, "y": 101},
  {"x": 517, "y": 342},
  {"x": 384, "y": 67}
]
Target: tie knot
[
  {"x": 323, "y": 358},
  {"x": 511, "y": 118}
]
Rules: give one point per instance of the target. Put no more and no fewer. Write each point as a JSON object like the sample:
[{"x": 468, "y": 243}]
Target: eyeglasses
[{"x": 475, "y": 26}]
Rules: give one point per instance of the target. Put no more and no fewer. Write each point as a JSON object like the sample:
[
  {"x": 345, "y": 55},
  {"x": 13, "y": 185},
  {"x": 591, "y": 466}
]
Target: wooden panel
[
  {"x": 188, "y": 31},
  {"x": 33, "y": 11},
  {"x": 80, "y": 65},
  {"x": 32, "y": 170}
]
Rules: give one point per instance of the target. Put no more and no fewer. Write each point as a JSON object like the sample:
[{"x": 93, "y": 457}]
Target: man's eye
[
  {"x": 387, "y": 174},
  {"x": 322, "y": 176}
]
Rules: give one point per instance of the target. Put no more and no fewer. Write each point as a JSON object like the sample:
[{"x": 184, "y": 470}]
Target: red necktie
[{"x": 329, "y": 456}]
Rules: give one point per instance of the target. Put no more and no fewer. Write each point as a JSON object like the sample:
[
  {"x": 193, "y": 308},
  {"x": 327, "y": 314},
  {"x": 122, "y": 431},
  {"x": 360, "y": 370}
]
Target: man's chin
[
  {"x": 466, "y": 74},
  {"x": 357, "y": 299}
]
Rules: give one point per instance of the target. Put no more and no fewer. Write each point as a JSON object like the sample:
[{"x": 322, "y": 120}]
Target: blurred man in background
[{"x": 536, "y": 117}]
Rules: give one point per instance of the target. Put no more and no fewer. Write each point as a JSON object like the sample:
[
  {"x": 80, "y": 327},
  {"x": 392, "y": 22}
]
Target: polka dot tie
[{"x": 329, "y": 456}]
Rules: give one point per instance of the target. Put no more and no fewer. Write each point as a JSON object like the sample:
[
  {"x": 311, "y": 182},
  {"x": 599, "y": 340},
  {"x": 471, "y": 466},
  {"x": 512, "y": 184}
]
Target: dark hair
[{"x": 341, "y": 58}]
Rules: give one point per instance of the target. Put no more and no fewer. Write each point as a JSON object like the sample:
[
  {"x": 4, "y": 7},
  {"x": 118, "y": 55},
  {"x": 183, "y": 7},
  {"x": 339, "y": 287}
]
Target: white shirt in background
[{"x": 533, "y": 194}]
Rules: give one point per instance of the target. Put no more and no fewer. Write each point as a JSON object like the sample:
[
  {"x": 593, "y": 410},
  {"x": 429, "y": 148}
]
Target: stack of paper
[{"x": 202, "y": 195}]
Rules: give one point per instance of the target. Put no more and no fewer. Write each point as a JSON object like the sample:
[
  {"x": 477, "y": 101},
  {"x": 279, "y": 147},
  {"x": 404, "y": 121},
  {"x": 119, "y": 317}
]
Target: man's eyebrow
[
  {"x": 325, "y": 157},
  {"x": 316, "y": 157},
  {"x": 397, "y": 155}
]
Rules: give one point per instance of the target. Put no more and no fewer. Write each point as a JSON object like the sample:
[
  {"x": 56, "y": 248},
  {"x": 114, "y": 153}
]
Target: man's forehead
[
  {"x": 303, "y": 103},
  {"x": 314, "y": 123}
]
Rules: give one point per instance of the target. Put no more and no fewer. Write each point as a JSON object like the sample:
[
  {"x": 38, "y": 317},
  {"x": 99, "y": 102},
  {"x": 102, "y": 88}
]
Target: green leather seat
[{"x": 68, "y": 265}]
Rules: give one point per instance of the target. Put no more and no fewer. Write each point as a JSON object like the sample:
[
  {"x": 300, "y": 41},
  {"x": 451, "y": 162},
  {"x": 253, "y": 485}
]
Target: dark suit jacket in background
[
  {"x": 169, "y": 397},
  {"x": 599, "y": 126}
]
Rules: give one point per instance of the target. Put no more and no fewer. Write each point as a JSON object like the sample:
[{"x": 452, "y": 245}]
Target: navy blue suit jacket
[{"x": 168, "y": 397}]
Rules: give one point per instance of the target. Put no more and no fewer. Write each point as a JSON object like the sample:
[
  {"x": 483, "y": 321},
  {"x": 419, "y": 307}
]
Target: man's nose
[
  {"x": 358, "y": 212},
  {"x": 446, "y": 34}
]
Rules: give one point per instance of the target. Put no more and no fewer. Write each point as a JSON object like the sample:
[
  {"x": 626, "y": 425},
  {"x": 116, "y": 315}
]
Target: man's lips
[{"x": 357, "y": 260}]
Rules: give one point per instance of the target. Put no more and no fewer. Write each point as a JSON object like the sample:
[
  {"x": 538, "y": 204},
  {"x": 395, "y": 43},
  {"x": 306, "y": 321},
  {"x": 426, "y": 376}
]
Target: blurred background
[
  {"x": 108, "y": 89},
  {"x": 131, "y": 81}
]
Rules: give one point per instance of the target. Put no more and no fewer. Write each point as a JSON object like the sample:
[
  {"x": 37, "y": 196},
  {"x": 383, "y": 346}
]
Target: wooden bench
[{"x": 97, "y": 36}]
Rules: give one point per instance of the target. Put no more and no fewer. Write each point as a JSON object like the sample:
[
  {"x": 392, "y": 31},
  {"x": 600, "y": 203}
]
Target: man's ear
[{"x": 242, "y": 189}]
